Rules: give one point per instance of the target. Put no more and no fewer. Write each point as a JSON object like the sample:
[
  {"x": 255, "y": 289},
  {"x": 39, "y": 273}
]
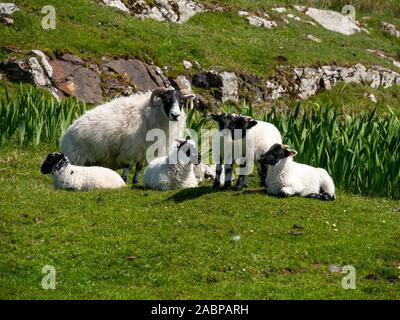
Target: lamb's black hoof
[
  {"x": 227, "y": 187},
  {"x": 283, "y": 195},
  {"x": 216, "y": 185},
  {"x": 328, "y": 197},
  {"x": 322, "y": 196},
  {"x": 238, "y": 187}
]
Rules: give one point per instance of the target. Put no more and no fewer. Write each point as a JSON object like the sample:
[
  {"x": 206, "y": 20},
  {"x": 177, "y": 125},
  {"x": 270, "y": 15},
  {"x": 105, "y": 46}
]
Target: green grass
[
  {"x": 182, "y": 242},
  {"x": 93, "y": 31}
]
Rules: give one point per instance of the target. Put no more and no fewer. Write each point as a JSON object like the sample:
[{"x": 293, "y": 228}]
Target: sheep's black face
[
  {"x": 53, "y": 159},
  {"x": 173, "y": 101},
  {"x": 241, "y": 125},
  {"x": 276, "y": 153},
  {"x": 232, "y": 124}
]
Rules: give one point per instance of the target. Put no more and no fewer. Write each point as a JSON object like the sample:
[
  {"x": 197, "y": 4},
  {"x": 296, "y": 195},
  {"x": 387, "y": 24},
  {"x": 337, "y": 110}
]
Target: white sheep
[
  {"x": 239, "y": 130},
  {"x": 113, "y": 135},
  {"x": 288, "y": 178},
  {"x": 174, "y": 171},
  {"x": 69, "y": 177}
]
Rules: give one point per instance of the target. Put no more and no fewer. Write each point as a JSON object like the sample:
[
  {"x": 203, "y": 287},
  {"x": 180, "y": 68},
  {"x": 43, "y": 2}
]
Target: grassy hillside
[
  {"x": 133, "y": 244},
  {"x": 214, "y": 39}
]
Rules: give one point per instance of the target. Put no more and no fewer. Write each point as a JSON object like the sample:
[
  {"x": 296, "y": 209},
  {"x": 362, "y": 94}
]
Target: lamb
[
  {"x": 261, "y": 135},
  {"x": 175, "y": 170},
  {"x": 288, "y": 178},
  {"x": 69, "y": 177},
  {"x": 113, "y": 135}
]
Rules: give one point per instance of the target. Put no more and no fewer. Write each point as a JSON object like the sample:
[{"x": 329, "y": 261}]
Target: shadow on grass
[{"x": 194, "y": 193}]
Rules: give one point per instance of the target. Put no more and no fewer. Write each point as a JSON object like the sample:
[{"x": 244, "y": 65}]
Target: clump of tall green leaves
[{"x": 32, "y": 117}]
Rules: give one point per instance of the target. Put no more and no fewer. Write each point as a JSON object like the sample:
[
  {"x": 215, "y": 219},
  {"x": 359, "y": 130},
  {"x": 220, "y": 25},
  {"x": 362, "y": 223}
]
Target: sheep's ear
[
  {"x": 190, "y": 96},
  {"x": 251, "y": 124},
  {"x": 292, "y": 153}
]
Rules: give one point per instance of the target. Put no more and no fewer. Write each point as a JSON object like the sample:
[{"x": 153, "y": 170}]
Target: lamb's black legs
[
  {"x": 228, "y": 176},
  {"x": 139, "y": 166},
  {"x": 218, "y": 171},
  {"x": 125, "y": 172},
  {"x": 263, "y": 169},
  {"x": 242, "y": 180}
]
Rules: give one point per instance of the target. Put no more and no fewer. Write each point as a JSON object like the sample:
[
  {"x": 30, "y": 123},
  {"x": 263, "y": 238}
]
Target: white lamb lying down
[
  {"x": 69, "y": 177},
  {"x": 288, "y": 178},
  {"x": 175, "y": 170}
]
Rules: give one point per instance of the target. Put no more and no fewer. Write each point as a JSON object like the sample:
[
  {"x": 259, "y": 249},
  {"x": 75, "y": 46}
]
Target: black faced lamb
[
  {"x": 174, "y": 171},
  {"x": 70, "y": 177},
  {"x": 245, "y": 130},
  {"x": 288, "y": 178}
]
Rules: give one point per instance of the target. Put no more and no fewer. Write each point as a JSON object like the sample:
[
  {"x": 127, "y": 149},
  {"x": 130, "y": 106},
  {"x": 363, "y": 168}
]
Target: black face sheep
[
  {"x": 175, "y": 170},
  {"x": 261, "y": 135},
  {"x": 113, "y": 135},
  {"x": 69, "y": 177},
  {"x": 289, "y": 178}
]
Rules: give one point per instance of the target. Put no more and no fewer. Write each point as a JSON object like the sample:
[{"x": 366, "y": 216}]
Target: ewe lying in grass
[
  {"x": 288, "y": 178},
  {"x": 175, "y": 170},
  {"x": 69, "y": 177}
]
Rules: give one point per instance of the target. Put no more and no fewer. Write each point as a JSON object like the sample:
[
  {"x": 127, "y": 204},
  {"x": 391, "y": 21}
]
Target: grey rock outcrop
[
  {"x": 116, "y": 4},
  {"x": 73, "y": 77},
  {"x": 305, "y": 82},
  {"x": 261, "y": 22},
  {"x": 332, "y": 20},
  {"x": 69, "y": 75},
  {"x": 390, "y": 28},
  {"x": 178, "y": 11},
  {"x": 224, "y": 85}
]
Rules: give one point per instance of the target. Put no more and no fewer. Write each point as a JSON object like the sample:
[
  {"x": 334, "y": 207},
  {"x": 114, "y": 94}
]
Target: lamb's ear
[
  {"x": 181, "y": 142},
  {"x": 251, "y": 124},
  {"x": 190, "y": 96},
  {"x": 213, "y": 116},
  {"x": 292, "y": 153}
]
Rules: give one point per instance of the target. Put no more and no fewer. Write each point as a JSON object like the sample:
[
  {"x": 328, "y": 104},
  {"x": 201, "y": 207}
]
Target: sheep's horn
[
  {"x": 285, "y": 146},
  {"x": 156, "y": 93}
]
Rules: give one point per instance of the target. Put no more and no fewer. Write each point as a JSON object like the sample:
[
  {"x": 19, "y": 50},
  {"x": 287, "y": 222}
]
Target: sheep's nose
[{"x": 174, "y": 116}]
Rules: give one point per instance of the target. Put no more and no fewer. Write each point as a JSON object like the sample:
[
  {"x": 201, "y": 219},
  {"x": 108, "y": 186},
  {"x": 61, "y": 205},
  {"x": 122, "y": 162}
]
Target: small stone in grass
[
  {"x": 397, "y": 209},
  {"x": 236, "y": 238},
  {"x": 335, "y": 268},
  {"x": 295, "y": 233},
  {"x": 131, "y": 258}
]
